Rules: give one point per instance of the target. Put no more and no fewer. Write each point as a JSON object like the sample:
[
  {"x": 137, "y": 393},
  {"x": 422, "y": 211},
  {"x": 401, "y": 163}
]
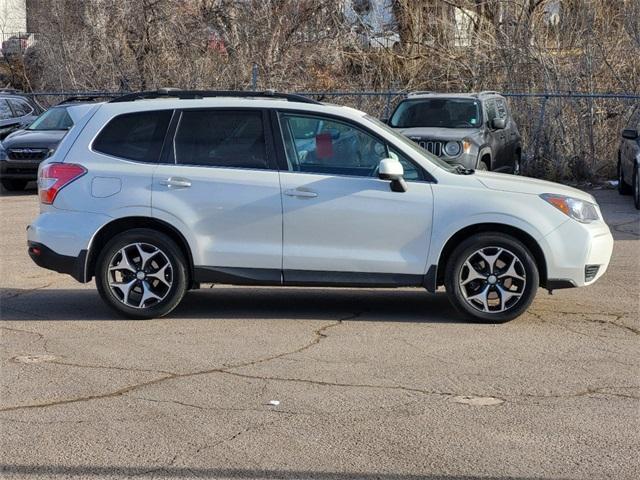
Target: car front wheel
[
  {"x": 491, "y": 277},
  {"x": 141, "y": 274}
]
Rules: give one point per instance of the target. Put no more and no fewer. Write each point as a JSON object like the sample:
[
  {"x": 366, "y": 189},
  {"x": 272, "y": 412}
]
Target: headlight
[
  {"x": 452, "y": 149},
  {"x": 584, "y": 212}
]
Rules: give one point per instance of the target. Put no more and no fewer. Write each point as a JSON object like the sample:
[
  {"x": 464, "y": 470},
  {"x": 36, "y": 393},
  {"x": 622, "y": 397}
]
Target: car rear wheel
[
  {"x": 141, "y": 274},
  {"x": 14, "y": 184},
  {"x": 491, "y": 278},
  {"x": 623, "y": 187},
  {"x": 636, "y": 187}
]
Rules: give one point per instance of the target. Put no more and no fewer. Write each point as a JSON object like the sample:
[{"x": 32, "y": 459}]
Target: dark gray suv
[
  {"x": 474, "y": 130},
  {"x": 16, "y": 111}
]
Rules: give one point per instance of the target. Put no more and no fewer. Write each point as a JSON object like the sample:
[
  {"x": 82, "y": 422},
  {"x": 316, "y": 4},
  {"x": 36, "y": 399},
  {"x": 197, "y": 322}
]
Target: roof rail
[
  {"x": 419, "y": 92},
  {"x": 9, "y": 90},
  {"x": 80, "y": 98},
  {"x": 197, "y": 94},
  {"x": 488, "y": 92}
]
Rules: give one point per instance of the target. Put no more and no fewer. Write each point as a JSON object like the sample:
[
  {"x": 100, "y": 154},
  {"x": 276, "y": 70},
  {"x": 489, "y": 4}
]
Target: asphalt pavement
[{"x": 317, "y": 383}]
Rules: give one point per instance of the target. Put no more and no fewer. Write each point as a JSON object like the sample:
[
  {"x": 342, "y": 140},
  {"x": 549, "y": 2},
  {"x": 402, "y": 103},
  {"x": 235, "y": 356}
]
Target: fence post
[
  {"x": 254, "y": 77},
  {"x": 387, "y": 106},
  {"x": 539, "y": 128}
]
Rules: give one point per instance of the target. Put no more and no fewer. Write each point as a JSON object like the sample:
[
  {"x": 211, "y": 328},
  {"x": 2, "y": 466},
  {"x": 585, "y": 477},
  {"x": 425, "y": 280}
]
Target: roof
[{"x": 469, "y": 95}]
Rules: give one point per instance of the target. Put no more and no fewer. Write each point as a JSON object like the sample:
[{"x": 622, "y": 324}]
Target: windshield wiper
[{"x": 463, "y": 171}]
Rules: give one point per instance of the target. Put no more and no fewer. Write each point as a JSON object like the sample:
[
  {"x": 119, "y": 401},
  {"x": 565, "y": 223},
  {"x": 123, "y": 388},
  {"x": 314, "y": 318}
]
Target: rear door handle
[
  {"x": 297, "y": 192},
  {"x": 176, "y": 182}
]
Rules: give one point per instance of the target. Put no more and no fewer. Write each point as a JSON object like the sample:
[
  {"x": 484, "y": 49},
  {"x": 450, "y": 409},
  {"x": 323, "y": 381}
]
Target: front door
[{"x": 341, "y": 223}]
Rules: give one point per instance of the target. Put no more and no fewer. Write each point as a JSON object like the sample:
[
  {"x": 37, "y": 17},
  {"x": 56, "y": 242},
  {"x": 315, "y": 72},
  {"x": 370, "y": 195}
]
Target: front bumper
[
  {"x": 19, "y": 169},
  {"x": 572, "y": 252}
]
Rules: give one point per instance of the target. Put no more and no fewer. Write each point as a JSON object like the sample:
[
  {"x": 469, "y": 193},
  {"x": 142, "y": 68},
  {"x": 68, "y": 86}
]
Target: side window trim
[
  {"x": 169, "y": 147},
  {"x": 281, "y": 149}
]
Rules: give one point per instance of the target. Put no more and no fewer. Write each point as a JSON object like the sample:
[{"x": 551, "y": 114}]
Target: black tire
[
  {"x": 14, "y": 184},
  {"x": 482, "y": 165},
  {"x": 636, "y": 187},
  {"x": 623, "y": 187},
  {"x": 171, "y": 254},
  {"x": 492, "y": 242}
]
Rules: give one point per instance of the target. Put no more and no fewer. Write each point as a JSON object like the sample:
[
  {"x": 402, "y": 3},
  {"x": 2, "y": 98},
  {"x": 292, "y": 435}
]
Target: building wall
[{"x": 13, "y": 16}]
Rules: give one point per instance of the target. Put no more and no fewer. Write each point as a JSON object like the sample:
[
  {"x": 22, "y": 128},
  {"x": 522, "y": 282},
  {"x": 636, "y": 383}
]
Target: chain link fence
[{"x": 566, "y": 136}]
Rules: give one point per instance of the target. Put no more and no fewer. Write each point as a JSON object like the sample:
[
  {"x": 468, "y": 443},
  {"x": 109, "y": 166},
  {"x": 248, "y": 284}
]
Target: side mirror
[
  {"x": 630, "y": 133},
  {"x": 499, "y": 123},
  {"x": 391, "y": 169}
]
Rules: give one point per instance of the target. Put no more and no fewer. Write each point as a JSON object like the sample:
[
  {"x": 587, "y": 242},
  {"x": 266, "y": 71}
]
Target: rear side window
[
  {"x": 221, "y": 138},
  {"x": 21, "y": 107},
  {"x": 135, "y": 136}
]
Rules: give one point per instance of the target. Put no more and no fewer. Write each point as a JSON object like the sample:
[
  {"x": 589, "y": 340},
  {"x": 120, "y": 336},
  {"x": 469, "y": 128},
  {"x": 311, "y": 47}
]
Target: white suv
[{"x": 156, "y": 192}]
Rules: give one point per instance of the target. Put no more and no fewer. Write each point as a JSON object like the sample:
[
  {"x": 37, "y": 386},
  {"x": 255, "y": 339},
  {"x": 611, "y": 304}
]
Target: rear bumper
[{"x": 44, "y": 257}]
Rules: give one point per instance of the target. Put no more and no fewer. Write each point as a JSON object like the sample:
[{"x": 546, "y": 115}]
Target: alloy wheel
[
  {"x": 140, "y": 275},
  {"x": 492, "y": 279}
]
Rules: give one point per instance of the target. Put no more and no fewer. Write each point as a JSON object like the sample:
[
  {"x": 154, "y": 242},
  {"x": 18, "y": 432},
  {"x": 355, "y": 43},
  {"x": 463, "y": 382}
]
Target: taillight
[{"x": 54, "y": 177}]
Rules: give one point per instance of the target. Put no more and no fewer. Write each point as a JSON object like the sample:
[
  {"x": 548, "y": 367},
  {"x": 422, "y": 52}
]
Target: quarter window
[
  {"x": 5, "y": 111},
  {"x": 221, "y": 138},
  {"x": 135, "y": 136}
]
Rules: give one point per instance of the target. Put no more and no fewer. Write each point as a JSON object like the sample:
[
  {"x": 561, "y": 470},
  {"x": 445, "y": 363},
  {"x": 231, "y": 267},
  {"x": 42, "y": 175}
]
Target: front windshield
[
  {"x": 53, "y": 119},
  {"x": 411, "y": 144},
  {"x": 437, "y": 112}
]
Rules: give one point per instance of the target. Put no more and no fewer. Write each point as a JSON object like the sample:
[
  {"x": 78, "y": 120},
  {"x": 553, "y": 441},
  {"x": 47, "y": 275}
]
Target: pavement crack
[
  {"x": 20, "y": 293},
  {"x": 318, "y": 336}
]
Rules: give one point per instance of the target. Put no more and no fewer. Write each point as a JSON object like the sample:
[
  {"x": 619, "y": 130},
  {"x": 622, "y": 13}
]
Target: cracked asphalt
[{"x": 372, "y": 384}]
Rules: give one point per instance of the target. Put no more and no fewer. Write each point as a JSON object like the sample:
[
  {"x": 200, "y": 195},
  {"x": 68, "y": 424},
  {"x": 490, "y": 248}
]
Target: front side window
[
  {"x": 437, "y": 112},
  {"x": 221, "y": 138},
  {"x": 135, "y": 136},
  {"x": 21, "y": 107},
  {"x": 5, "y": 111},
  {"x": 492, "y": 113},
  {"x": 53, "y": 119},
  {"x": 323, "y": 145},
  {"x": 501, "y": 108}
]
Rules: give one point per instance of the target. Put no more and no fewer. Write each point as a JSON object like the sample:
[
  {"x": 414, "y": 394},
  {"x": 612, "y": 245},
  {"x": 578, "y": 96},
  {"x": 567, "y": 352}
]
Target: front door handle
[
  {"x": 176, "y": 182},
  {"x": 298, "y": 192}
]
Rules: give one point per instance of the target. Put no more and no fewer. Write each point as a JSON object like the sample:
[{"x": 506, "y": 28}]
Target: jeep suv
[
  {"x": 629, "y": 158},
  {"x": 474, "y": 130},
  {"x": 156, "y": 192}
]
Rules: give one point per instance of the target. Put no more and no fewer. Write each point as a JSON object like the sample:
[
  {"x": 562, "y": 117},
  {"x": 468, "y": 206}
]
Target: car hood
[
  {"x": 34, "y": 139},
  {"x": 519, "y": 184},
  {"x": 438, "y": 133}
]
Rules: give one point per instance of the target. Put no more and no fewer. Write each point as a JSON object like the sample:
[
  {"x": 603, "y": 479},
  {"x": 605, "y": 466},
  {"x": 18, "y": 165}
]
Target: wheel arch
[
  {"x": 515, "y": 232},
  {"x": 119, "y": 225}
]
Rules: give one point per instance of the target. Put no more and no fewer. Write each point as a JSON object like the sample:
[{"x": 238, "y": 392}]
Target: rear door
[{"x": 219, "y": 186}]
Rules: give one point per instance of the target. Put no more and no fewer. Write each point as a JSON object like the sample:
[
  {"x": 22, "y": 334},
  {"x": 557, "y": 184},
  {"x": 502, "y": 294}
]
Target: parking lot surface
[{"x": 384, "y": 384}]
